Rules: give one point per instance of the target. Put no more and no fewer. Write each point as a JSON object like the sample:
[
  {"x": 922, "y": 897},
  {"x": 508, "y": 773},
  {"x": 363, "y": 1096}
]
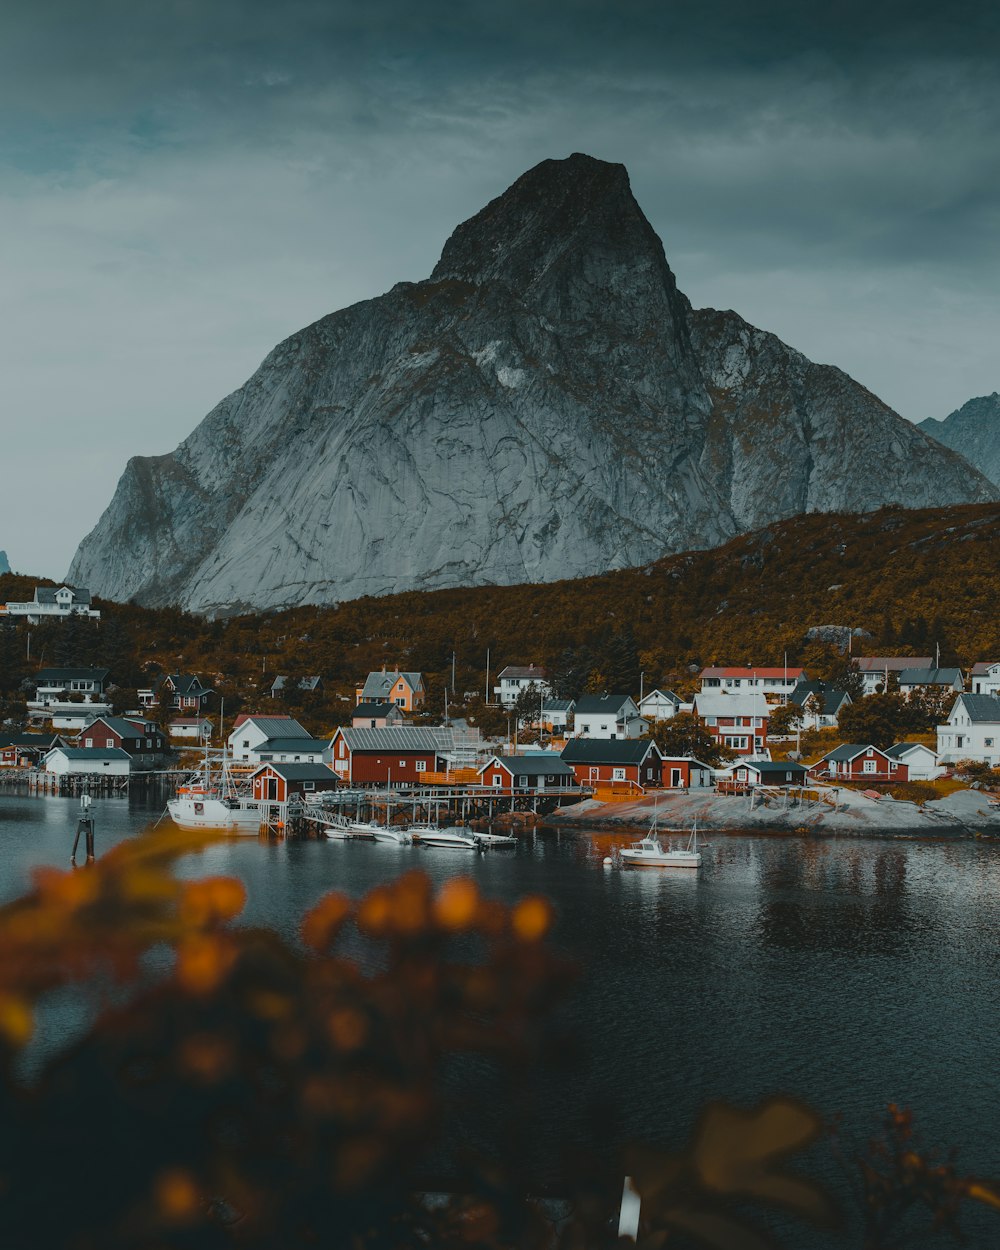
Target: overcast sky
[{"x": 184, "y": 183}]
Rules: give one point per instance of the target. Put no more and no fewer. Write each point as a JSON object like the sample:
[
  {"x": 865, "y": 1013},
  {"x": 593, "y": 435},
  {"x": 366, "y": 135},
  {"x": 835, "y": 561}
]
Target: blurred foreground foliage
[{"x": 257, "y": 1093}]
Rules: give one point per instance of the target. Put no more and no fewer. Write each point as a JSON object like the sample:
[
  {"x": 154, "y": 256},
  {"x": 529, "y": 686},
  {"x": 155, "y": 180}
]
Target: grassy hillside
[{"x": 910, "y": 578}]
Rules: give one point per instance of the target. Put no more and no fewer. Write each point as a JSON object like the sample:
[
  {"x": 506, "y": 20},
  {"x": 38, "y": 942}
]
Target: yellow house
[{"x": 406, "y": 690}]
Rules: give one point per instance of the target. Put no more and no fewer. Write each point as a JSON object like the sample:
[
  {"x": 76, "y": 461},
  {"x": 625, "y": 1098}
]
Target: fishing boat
[
  {"x": 211, "y": 799},
  {"x": 453, "y": 839},
  {"x": 650, "y": 853}
]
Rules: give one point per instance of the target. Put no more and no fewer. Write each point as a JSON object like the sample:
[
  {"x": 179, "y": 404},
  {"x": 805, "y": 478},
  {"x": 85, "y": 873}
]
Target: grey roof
[
  {"x": 531, "y": 672},
  {"x": 43, "y": 741},
  {"x": 185, "y": 683},
  {"x": 899, "y": 749},
  {"x": 982, "y": 708},
  {"x": 300, "y": 772},
  {"x": 830, "y": 700},
  {"x": 666, "y": 694},
  {"x": 393, "y": 738},
  {"x": 559, "y": 705},
  {"x": 610, "y": 703},
  {"x": 851, "y": 750},
  {"x": 890, "y": 663},
  {"x": 537, "y": 764},
  {"x": 124, "y": 727},
  {"x": 607, "y": 750},
  {"x": 277, "y": 726},
  {"x": 930, "y": 676},
  {"x": 48, "y": 675},
  {"x": 982, "y": 667},
  {"x": 47, "y": 594},
  {"x": 378, "y": 685},
  {"x": 766, "y": 767},
  {"x": 313, "y": 745},
  {"x": 375, "y": 707},
  {"x": 303, "y": 683},
  {"x": 93, "y": 753}
]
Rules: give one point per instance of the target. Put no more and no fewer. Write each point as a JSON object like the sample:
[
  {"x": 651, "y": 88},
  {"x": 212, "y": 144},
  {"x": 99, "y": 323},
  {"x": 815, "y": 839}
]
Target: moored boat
[
  {"x": 650, "y": 853},
  {"x": 453, "y": 839}
]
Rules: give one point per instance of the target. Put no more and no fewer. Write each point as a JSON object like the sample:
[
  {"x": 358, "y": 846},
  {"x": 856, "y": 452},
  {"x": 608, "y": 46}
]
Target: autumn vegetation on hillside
[{"x": 911, "y": 580}]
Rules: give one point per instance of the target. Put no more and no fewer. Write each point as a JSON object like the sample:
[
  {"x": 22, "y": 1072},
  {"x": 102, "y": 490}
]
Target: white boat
[
  {"x": 495, "y": 841},
  {"x": 364, "y": 828},
  {"x": 453, "y": 839},
  {"x": 338, "y": 829},
  {"x": 197, "y": 807},
  {"x": 419, "y": 832},
  {"x": 650, "y": 853},
  {"x": 392, "y": 833}
]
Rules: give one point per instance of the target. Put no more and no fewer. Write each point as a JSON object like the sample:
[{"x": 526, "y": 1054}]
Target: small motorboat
[
  {"x": 453, "y": 839},
  {"x": 392, "y": 833},
  {"x": 650, "y": 853},
  {"x": 495, "y": 841},
  {"x": 338, "y": 829}
]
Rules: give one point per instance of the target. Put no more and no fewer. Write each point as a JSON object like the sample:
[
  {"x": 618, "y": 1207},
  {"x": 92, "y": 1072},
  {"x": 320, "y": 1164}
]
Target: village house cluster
[{"x": 600, "y": 742}]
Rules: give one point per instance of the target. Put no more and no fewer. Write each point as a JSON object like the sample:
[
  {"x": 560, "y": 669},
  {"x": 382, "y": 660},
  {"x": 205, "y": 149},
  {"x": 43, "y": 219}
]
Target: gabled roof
[
  {"x": 47, "y": 594},
  {"x": 559, "y": 705},
  {"x": 187, "y": 683},
  {"x": 850, "y": 751},
  {"x": 93, "y": 753},
  {"x": 391, "y": 738},
  {"x": 378, "y": 685},
  {"x": 190, "y": 720},
  {"x": 376, "y": 708},
  {"x": 309, "y": 745},
  {"x": 610, "y": 704},
  {"x": 767, "y": 768},
  {"x": 982, "y": 667},
  {"x": 274, "y": 726},
  {"x": 661, "y": 694},
  {"x": 533, "y": 672},
  {"x": 930, "y": 676},
  {"x": 34, "y": 742},
  {"x": 982, "y": 709},
  {"x": 303, "y": 683},
  {"x": 298, "y": 772},
  {"x": 830, "y": 700},
  {"x": 742, "y": 703},
  {"x": 46, "y": 676},
  {"x": 123, "y": 726},
  {"x": 608, "y": 750},
  {"x": 537, "y": 764},
  {"x": 890, "y": 663},
  {"x": 899, "y": 749}
]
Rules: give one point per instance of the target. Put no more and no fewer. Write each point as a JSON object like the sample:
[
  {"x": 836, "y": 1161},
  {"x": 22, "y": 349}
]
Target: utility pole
[
  {"x": 487, "y": 674},
  {"x": 453, "y": 674}
]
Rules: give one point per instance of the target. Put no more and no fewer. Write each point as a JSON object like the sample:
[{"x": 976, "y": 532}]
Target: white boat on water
[
  {"x": 195, "y": 807},
  {"x": 453, "y": 839},
  {"x": 495, "y": 841},
  {"x": 650, "y": 853},
  {"x": 393, "y": 833}
]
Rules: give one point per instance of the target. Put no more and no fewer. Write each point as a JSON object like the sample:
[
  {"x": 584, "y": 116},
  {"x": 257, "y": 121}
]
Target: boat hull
[{"x": 209, "y": 813}]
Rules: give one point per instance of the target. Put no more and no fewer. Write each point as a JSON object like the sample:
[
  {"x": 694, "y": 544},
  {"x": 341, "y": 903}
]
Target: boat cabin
[{"x": 277, "y": 783}]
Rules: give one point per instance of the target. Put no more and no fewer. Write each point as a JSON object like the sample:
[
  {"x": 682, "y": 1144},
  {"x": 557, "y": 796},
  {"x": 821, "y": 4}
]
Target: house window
[
  {"x": 109, "y": 742},
  {"x": 89, "y": 742},
  {"x": 342, "y": 749},
  {"x": 522, "y": 781},
  {"x": 309, "y": 785},
  {"x": 497, "y": 779},
  {"x": 618, "y": 774},
  {"x": 420, "y": 766},
  {"x": 870, "y": 766},
  {"x": 960, "y": 741},
  {"x": 402, "y": 763},
  {"x": 400, "y": 702},
  {"x": 711, "y": 720},
  {"x": 987, "y": 742},
  {"x": 246, "y": 742}
]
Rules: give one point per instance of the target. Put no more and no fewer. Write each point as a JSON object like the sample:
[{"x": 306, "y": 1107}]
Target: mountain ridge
[
  {"x": 974, "y": 431},
  {"x": 547, "y": 404}
]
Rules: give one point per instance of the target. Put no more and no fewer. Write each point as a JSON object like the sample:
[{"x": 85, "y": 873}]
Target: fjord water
[{"x": 850, "y": 973}]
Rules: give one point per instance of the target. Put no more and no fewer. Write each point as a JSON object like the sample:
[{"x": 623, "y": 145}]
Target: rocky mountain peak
[
  {"x": 574, "y": 214},
  {"x": 974, "y": 431}
]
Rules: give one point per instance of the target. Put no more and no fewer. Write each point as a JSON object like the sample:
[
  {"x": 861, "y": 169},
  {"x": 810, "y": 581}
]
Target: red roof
[{"x": 753, "y": 672}]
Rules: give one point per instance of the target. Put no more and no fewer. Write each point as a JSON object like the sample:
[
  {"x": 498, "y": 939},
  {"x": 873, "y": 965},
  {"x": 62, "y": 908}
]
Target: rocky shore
[{"x": 962, "y": 814}]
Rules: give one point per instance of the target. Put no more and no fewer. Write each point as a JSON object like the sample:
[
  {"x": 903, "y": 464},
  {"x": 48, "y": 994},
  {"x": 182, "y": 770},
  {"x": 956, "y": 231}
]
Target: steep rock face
[
  {"x": 545, "y": 405},
  {"x": 974, "y": 431}
]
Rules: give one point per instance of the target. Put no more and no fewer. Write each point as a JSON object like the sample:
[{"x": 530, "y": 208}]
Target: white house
[
  {"x": 986, "y": 677},
  {"x": 659, "y": 705},
  {"x": 875, "y": 669},
  {"x": 89, "y": 761},
  {"x": 555, "y": 714},
  {"x": 191, "y": 728},
  {"x": 776, "y": 681},
  {"x": 921, "y": 762},
  {"x": 54, "y": 602},
  {"x": 937, "y": 679},
  {"x": 972, "y": 731},
  {"x": 275, "y": 739},
  {"x": 517, "y": 677},
  {"x": 69, "y": 697},
  {"x": 821, "y": 706},
  {"x": 607, "y": 716}
]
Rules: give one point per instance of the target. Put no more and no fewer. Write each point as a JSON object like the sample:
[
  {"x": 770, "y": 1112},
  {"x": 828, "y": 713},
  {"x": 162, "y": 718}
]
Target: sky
[{"x": 185, "y": 183}]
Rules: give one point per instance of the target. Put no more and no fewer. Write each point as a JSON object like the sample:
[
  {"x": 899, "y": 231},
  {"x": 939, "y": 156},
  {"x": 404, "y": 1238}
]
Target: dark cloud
[{"x": 184, "y": 183}]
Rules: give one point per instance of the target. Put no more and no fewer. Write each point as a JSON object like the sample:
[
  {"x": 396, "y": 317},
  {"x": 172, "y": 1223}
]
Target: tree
[
  {"x": 881, "y": 719},
  {"x": 785, "y": 719},
  {"x": 684, "y": 734},
  {"x": 527, "y": 708}
]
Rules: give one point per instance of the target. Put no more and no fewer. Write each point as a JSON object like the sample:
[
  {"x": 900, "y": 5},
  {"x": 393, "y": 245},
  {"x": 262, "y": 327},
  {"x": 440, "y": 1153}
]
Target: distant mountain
[
  {"x": 545, "y": 405},
  {"x": 4, "y": 566},
  {"x": 974, "y": 431}
]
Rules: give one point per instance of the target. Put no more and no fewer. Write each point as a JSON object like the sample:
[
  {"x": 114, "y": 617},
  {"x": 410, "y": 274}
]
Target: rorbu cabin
[
  {"x": 278, "y": 783},
  {"x": 537, "y": 772}
]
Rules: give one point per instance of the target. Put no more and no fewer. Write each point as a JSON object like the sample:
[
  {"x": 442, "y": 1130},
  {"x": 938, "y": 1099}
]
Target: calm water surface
[{"x": 850, "y": 973}]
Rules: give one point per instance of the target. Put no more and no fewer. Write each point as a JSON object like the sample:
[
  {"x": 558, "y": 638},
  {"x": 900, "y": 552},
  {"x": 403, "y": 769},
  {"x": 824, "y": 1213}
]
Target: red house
[
  {"x": 26, "y": 750},
  {"x": 539, "y": 771},
  {"x": 142, "y": 739},
  {"x": 682, "y": 772},
  {"x": 603, "y": 761},
  {"x": 390, "y": 756},
  {"x": 855, "y": 761},
  {"x": 277, "y": 783}
]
